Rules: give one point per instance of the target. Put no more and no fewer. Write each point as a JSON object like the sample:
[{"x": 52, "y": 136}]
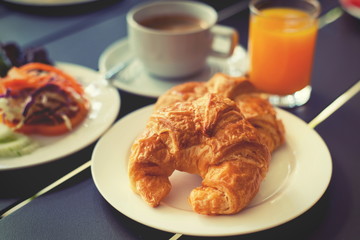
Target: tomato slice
[
  {"x": 58, "y": 129},
  {"x": 349, "y": 3}
]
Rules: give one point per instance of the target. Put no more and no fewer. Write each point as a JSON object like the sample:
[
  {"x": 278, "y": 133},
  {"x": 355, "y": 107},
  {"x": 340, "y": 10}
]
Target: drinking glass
[{"x": 282, "y": 39}]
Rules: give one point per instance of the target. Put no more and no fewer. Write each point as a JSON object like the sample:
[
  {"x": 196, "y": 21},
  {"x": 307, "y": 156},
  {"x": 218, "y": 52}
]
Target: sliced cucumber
[
  {"x": 28, "y": 148},
  {"x": 14, "y": 144},
  {"x": 5, "y": 133}
]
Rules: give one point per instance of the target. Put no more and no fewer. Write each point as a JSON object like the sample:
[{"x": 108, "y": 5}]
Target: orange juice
[{"x": 281, "y": 48}]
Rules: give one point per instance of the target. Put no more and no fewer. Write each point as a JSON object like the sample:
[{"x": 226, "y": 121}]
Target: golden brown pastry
[
  {"x": 209, "y": 137},
  {"x": 251, "y": 102},
  {"x": 221, "y": 84}
]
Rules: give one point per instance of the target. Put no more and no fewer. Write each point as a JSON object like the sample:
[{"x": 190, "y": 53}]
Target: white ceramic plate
[
  {"x": 299, "y": 174},
  {"x": 105, "y": 105},
  {"x": 135, "y": 80},
  {"x": 48, "y": 2}
]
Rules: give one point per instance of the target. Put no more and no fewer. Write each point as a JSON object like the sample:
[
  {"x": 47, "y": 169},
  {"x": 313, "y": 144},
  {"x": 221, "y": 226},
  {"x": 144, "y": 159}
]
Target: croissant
[
  {"x": 255, "y": 108},
  {"x": 208, "y": 136}
]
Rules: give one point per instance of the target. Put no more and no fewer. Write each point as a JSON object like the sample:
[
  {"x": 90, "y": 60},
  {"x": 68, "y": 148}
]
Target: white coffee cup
[{"x": 181, "y": 43}]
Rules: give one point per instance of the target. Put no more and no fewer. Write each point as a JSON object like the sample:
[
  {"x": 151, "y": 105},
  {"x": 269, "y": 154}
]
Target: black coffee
[{"x": 174, "y": 23}]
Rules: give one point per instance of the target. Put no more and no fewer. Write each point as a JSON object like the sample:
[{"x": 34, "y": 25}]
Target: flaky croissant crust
[
  {"x": 252, "y": 103},
  {"x": 209, "y": 137}
]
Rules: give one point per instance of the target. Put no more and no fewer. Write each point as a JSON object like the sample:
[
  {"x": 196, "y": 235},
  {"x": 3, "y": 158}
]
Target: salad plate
[
  {"x": 299, "y": 174},
  {"x": 104, "y": 108},
  {"x": 135, "y": 80}
]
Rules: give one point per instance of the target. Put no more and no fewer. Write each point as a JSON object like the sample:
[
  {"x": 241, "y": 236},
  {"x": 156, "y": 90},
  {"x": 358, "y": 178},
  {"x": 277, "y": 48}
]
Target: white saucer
[{"x": 135, "y": 80}]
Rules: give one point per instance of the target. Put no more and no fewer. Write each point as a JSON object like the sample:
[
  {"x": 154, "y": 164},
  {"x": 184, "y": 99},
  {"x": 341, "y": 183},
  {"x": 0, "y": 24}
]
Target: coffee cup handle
[{"x": 225, "y": 39}]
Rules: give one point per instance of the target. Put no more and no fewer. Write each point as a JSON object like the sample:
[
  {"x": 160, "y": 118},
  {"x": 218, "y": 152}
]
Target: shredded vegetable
[{"x": 40, "y": 98}]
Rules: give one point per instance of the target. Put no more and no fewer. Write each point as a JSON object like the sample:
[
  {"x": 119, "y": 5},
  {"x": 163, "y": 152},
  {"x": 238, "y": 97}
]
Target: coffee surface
[{"x": 174, "y": 23}]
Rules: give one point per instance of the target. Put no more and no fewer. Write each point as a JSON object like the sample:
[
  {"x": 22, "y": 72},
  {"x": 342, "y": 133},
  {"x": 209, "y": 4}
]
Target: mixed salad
[{"x": 38, "y": 98}]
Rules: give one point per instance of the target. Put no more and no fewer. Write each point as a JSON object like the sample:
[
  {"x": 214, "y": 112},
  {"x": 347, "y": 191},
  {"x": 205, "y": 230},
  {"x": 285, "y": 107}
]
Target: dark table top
[{"x": 73, "y": 208}]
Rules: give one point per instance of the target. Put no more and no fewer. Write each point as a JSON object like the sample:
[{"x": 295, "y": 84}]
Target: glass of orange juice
[{"x": 282, "y": 37}]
